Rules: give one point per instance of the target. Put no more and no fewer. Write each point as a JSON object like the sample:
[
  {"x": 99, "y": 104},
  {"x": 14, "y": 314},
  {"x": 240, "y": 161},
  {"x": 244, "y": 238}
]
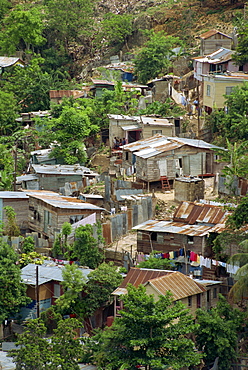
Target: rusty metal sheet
[
  {"x": 138, "y": 276},
  {"x": 212, "y": 32},
  {"x": 178, "y": 284}
]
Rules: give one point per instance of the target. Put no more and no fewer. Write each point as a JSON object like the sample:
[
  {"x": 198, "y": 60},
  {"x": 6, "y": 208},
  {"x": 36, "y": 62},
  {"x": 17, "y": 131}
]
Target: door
[{"x": 162, "y": 164}]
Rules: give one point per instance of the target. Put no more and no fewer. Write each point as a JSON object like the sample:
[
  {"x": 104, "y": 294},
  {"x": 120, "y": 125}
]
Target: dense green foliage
[
  {"x": 12, "y": 290},
  {"x": 36, "y": 352},
  {"x": 148, "y": 333},
  {"x": 232, "y": 125},
  {"x": 217, "y": 334},
  {"x": 154, "y": 57},
  {"x": 239, "y": 290},
  {"x": 85, "y": 296},
  {"x": 239, "y": 216}
]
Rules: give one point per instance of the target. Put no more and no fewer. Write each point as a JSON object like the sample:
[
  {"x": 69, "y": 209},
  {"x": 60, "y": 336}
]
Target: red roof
[{"x": 210, "y": 33}]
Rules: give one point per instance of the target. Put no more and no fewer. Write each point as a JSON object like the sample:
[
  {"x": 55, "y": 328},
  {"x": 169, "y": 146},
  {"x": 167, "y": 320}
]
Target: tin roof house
[
  {"x": 189, "y": 229},
  {"x": 213, "y": 40},
  {"x": 134, "y": 128},
  {"x": 19, "y": 202},
  {"x": 54, "y": 177},
  {"x": 48, "y": 211},
  {"x": 49, "y": 277},
  {"x": 194, "y": 294},
  {"x": 172, "y": 157}
]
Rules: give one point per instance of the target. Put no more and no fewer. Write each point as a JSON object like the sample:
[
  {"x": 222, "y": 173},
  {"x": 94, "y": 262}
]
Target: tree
[
  {"x": 96, "y": 291},
  {"x": 8, "y": 113},
  {"x": 6, "y": 168},
  {"x": 73, "y": 285},
  {"x": 157, "y": 263},
  {"x": 116, "y": 28},
  {"x": 85, "y": 247},
  {"x": 232, "y": 125},
  {"x": 166, "y": 109},
  {"x": 60, "y": 246},
  {"x": 28, "y": 245},
  {"x": 37, "y": 353},
  {"x": 239, "y": 217},
  {"x": 66, "y": 348},
  {"x": 148, "y": 333},
  {"x": 154, "y": 57},
  {"x": 241, "y": 55},
  {"x": 68, "y": 131},
  {"x": 34, "y": 352},
  {"x": 239, "y": 290},
  {"x": 217, "y": 334},
  {"x": 22, "y": 30},
  {"x": 12, "y": 290},
  {"x": 68, "y": 21},
  {"x": 11, "y": 228}
]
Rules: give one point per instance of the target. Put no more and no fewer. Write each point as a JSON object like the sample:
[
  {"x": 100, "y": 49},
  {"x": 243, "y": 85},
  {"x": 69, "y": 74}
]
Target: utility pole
[{"x": 37, "y": 293}]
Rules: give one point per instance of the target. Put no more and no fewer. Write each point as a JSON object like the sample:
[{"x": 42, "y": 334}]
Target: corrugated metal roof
[
  {"x": 62, "y": 169},
  {"x": 59, "y": 201},
  {"x": 46, "y": 273},
  {"x": 178, "y": 284},
  {"x": 9, "y": 61},
  {"x": 178, "y": 228},
  {"x": 155, "y": 121},
  {"x": 130, "y": 128},
  {"x": 29, "y": 177},
  {"x": 212, "y": 32},
  {"x": 200, "y": 213},
  {"x": 102, "y": 82},
  {"x": 120, "y": 117},
  {"x": 158, "y": 144},
  {"x": 13, "y": 195},
  {"x": 65, "y": 93},
  {"x": 137, "y": 276},
  {"x": 219, "y": 56}
]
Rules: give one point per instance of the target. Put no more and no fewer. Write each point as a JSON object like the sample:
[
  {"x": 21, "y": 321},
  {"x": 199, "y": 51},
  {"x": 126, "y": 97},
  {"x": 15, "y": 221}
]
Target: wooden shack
[
  {"x": 48, "y": 211},
  {"x": 189, "y": 229},
  {"x": 169, "y": 156},
  {"x": 19, "y": 202},
  {"x": 213, "y": 40}
]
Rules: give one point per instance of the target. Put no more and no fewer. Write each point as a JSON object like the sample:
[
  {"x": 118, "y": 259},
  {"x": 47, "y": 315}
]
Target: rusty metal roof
[
  {"x": 192, "y": 213},
  {"x": 59, "y": 201},
  {"x": 178, "y": 284},
  {"x": 176, "y": 227},
  {"x": 137, "y": 276},
  {"x": 212, "y": 32},
  {"x": 102, "y": 82},
  {"x": 65, "y": 93}
]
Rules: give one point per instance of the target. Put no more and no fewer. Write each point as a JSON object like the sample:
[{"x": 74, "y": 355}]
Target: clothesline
[{"x": 192, "y": 257}]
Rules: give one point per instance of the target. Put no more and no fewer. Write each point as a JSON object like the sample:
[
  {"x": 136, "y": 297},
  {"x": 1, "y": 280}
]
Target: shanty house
[
  {"x": 192, "y": 293},
  {"x": 219, "y": 61},
  {"x": 213, "y": 40},
  {"x": 189, "y": 229},
  {"x": 138, "y": 127},
  {"x": 48, "y": 211},
  {"x": 19, "y": 202},
  {"x": 6, "y": 62},
  {"x": 169, "y": 156},
  {"x": 55, "y": 177},
  {"x": 49, "y": 277},
  {"x": 56, "y": 96}
]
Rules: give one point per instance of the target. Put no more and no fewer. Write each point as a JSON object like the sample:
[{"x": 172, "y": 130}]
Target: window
[
  {"x": 208, "y": 296},
  {"x": 76, "y": 218},
  {"x": 154, "y": 132},
  {"x": 126, "y": 156},
  {"x": 154, "y": 236},
  {"x": 47, "y": 217},
  {"x": 208, "y": 90},
  {"x": 190, "y": 239},
  {"x": 56, "y": 290},
  {"x": 229, "y": 90},
  {"x": 189, "y": 301},
  {"x": 215, "y": 293}
]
